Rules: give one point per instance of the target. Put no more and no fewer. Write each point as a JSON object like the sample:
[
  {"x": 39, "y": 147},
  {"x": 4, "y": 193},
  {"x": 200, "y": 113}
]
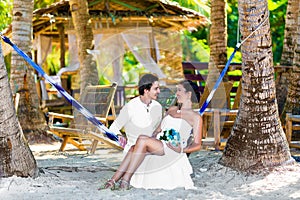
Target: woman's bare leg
[
  {"x": 123, "y": 166},
  {"x": 144, "y": 145}
]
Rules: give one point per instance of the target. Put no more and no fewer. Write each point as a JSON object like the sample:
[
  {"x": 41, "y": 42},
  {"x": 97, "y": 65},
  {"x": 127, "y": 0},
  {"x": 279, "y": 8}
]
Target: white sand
[{"x": 77, "y": 175}]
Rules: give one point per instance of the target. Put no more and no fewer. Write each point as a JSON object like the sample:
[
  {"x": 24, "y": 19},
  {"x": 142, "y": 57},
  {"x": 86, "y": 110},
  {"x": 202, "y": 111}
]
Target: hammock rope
[
  {"x": 211, "y": 94},
  {"x": 88, "y": 115}
]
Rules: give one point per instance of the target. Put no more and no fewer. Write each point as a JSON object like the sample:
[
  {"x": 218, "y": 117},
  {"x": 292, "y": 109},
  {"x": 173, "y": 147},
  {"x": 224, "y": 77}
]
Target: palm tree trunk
[
  {"x": 15, "y": 155},
  {"x": 282, "y": 82},
  {"x": 291, "y": 29},
  {"x": 292, "y": 101},
  {"x": 218, "y": 51},
  {"x": 290, "y": 57},
  {"x": 218, "y": 34},
  {"x": 31, "y": 117},
  {"x": 84, "y": 35},
  {"x": 257, "y": 140}
]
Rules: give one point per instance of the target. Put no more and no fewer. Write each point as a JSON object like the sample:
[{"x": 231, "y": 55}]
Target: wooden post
[
  {"x": 217, "y": 131},
  {"x": 152, "y": 46},
  {"x": 288, "y": 128},
  {"x": 204, "y": 129},
  {"x": 61, "y": 30}
]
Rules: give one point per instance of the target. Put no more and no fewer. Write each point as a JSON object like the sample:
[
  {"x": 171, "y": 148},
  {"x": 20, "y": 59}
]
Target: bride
[{"x": 153, "y": 163}]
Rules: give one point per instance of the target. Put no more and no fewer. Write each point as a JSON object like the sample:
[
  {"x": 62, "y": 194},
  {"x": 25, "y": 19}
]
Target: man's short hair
[{"x": 146, "y": 82}]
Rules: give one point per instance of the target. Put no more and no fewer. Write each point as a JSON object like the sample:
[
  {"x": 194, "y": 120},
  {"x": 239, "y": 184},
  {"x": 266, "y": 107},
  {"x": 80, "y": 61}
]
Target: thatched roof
[
  {"x": 120, "y": 14},
  {"x": 111, "y": 16}
]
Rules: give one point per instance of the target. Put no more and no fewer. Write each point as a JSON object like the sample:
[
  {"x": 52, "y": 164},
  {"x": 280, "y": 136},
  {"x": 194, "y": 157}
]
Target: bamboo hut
[{"x": 157, "y": 22}]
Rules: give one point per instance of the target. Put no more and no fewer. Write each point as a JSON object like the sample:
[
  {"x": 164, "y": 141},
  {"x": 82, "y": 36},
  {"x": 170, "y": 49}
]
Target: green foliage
[
  {"x": 237, "y": 57},
  {"x": 6, "y": 7},
  {"x": 195, "y": 46},
  {"x": 43, "y": 3},
  {"x": 5, "y": 13},
  {"x": 276, "y": 4},
  {"x": 277, "y": 20},
  {"x": 53, "y": 63},
  {"x": 232, "y": 22},
  {"x": 8, "y": 63},
  {"x": 201, "y": 6},
  {"x": 131, "y": 69}
]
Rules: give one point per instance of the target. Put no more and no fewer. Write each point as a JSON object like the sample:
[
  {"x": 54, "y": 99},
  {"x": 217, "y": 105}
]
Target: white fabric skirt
[{"x": 170, "y": 171}]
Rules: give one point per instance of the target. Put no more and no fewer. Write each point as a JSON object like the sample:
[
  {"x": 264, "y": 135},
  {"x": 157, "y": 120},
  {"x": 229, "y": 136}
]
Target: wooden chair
[
  {"x": 236, "y": 103},
  {"x": 220, "y": 100},
  {"x": 292, "y": 124},
  {"x": 218, "y": 113},
  {"x": 99, "y": 101},
  {"x": 230, "y": 119},
  {"x": 119, "y": 99}
]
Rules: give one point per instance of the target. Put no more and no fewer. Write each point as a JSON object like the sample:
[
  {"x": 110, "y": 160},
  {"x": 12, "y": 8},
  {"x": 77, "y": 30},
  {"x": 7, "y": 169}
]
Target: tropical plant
[
  {"x": 43, "y": 3},
  {"x": 277, "y": 13},
  {"x": 5, "y": 13},
  {"x": 201, "y": 6},
  {"x": 84, "y": 36},
  {"x": 195, "y": 46},
  {"x": 277, "y": 20}
]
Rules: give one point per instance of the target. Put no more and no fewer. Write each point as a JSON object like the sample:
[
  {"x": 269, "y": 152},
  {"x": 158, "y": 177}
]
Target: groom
[{"x": 141, "y": 115}]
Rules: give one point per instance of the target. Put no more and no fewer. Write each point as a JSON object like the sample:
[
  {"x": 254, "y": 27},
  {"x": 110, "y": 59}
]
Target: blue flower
[{"x": 171, "y": 135}]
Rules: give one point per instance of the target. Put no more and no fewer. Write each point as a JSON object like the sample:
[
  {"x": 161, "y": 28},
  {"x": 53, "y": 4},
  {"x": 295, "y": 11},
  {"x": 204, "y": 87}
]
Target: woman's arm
[
  {"x": 158, "y": 130},
  {"x": 197, "y": 132}
]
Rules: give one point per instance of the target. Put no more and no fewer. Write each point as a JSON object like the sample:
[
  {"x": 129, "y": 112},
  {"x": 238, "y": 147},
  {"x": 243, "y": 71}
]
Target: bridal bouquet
[{"x": 171, "y": 135}]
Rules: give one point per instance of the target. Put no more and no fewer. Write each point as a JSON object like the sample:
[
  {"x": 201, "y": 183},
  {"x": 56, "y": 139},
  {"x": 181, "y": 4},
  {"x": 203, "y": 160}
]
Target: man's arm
[{"x": 120, "y": 121}]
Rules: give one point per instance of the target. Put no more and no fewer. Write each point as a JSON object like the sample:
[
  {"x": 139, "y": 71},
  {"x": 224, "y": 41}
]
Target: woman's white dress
[{"x": 172, "y": 170}]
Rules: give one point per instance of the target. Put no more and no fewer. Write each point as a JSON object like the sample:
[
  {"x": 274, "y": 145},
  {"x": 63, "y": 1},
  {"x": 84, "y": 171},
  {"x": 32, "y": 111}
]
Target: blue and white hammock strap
[
  {"x": 88, "y": 115},
  {"x": 204, "y": 106},
  {"x": 210, "y": 96}
]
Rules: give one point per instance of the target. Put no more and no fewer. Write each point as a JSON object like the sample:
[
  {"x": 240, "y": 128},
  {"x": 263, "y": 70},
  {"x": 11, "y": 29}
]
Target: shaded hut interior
[{"x": 150, "y": 29}]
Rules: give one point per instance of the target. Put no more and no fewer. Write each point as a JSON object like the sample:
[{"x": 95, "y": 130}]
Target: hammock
[
  {"x": 88, "y": 115},
  {"x": 204, "y": 106}
]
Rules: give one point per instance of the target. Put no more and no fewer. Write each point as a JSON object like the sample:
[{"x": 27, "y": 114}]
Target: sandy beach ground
[{"x": 75, "y": 174}]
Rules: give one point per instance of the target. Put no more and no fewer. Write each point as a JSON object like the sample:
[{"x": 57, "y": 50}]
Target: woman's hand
[
  {"x": 176, "y": 148},
  {"x": 122, "y": 141}
]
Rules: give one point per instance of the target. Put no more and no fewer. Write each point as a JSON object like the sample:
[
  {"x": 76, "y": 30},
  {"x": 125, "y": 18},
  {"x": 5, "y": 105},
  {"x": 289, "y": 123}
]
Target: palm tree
[
  {"x": 15, "y": 155},
  {"x": 218, "y": 34},
  {"x": 282, "y": 81},
  {"x": 31, "y": 117},
  {"x": 84, "y": 35},
  {"x": 218, "y": 51},
  {"x": 291, "y": 27},
  {"x": 290, "y": 57},
  {"x": 257, "y": 140}
]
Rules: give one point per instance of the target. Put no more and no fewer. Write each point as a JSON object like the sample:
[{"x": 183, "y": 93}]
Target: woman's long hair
[{"x": 190, "y": 86}]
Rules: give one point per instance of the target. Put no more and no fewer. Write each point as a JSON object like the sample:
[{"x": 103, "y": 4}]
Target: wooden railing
[{"x": 192, "y": 72}]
